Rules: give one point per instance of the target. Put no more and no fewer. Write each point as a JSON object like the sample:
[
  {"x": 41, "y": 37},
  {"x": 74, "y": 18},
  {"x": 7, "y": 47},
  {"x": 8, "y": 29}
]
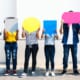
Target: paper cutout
[
  {"x": 50, "y": 27},
  {"x": 71, "y": 17},
  {"x": 31, "y": 24}
]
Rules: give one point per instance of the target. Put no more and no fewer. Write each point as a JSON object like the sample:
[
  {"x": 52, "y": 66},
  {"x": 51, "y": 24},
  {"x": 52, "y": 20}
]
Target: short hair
[
  {"x": 9, "y": 18},
  {"x": 71, "y": 11}
]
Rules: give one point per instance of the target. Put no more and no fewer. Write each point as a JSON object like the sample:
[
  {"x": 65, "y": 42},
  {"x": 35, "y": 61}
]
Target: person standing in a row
[
  {"x": 70, "y": 41},
  {"x": 10, "y": 50},
  {"x": 49, "y": 50},
  {"x": 31, "y": 48}
]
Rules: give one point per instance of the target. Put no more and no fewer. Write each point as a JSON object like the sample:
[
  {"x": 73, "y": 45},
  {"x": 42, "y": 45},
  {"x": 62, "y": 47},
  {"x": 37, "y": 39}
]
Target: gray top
[
  {"x": 49, "y": 40},
  {"x": 31, "y": 38}
]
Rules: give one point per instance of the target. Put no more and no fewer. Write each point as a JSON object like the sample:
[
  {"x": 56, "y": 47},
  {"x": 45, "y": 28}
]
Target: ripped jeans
[{"x": 11, "y": 51}]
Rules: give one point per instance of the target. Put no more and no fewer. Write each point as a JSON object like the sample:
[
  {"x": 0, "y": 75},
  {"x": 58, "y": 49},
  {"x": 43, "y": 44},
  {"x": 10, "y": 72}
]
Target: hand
[{"x": 57, "y": 37}]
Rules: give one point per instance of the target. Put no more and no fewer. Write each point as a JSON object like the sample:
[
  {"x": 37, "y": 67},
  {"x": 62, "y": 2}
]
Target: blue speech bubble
[{"x": 50, "y": 27}]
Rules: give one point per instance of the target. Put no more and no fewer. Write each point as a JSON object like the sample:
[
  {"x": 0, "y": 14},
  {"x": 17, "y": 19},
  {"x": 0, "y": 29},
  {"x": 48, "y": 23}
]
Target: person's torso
[
  {"x": 31, "y": 39},
  {"x": 70, "y": 35},
  {"x": 11, "y": 37},
  {"x": 49, "y": 40}
]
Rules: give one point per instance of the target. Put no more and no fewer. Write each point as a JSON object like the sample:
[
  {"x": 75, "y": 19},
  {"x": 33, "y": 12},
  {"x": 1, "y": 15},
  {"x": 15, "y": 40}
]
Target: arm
[
  {"x": 61, "y": 27},
  {"x": 17, "y": 32},
  {"x": 56, "y": 37},
  {"x": 37, "y": 33},
  {"x": 42, "y": 35},
  {"x": 79, "y": 31},
  {"x": 79, "y": 28},
  {"x": 23, "y": 33},
  {"x": 0, "y": 33},
  {"x": 5, "y": 34}
]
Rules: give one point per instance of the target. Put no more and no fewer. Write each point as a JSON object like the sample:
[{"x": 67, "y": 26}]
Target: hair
[
  {"x": 71, "y": 11},
  {"x": 9, "y": 18}
]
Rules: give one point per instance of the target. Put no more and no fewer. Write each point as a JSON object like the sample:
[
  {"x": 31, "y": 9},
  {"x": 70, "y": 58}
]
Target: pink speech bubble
[{"x": 71, "y": 17}]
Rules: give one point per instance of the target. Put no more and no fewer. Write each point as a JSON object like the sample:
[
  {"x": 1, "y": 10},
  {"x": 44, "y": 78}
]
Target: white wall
[
  {"x": 45, "y": 9},
  {"x": 42, "y": 9},
  {"x": 7, "y": 9}
]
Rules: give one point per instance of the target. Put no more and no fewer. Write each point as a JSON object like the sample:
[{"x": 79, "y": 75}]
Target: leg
[
  {"x": 14, "y": 55},
  {"x": 52, "y": 54},
  {"x": 34, "y": 55},
  {"x": 47, "y": 57},
  {"x": 66, "y": 54},
  {"x": 74, "y": 56},
  {"x": 27, "y": 55},
  {"x": 8, "y": 55}
]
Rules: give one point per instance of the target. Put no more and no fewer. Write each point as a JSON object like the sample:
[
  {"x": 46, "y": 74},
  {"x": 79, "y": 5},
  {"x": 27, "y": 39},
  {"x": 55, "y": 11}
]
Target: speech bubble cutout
[
  {"x": 71, "y": 17},
  {"x": 50, "y": 27},
  {"x": 11, "y": 25},
  {"x": 31, "y": 24}
]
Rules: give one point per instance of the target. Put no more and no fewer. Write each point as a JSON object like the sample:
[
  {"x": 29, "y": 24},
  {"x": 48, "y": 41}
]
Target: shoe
[
  {"x": 24, "y": 74},
  {"x": 76, "y": 72},
  {"x": 14, "y": 72},
  {"x": 7, "y": 72},
  {"x": 63, "y": 72},
  {"x": 52, "y": 73},
  {"x": 33, "y": 73},
  {"x": 47, "y": 73}
]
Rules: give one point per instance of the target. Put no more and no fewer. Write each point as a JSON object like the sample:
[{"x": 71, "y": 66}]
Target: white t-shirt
[{"x": 70, "y": 35}]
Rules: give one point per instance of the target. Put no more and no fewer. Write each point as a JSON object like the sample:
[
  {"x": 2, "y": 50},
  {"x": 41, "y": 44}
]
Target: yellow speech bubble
[{"x": 31, "y": 24}]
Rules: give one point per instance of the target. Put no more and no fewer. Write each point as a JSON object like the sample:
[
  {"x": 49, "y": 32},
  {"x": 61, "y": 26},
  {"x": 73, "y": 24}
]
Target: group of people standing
[{"x": 70, "y": 41}]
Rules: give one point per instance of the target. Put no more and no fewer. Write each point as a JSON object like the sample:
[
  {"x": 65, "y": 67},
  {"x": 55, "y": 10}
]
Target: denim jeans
[
  {"x": 30, "y": 49},
  {"x": 49, "y": 56},
  {"x": 11, "y": 51},
  {"x": 66, "y": 54}
]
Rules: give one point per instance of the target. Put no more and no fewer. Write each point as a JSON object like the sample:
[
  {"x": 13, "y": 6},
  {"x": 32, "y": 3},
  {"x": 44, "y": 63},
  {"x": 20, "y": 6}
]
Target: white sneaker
[
  {"x": 7, "y": 73},
  {"x": 52, "y": 74},
  {"x": 14, "y": 73},
  {"x": 33, "y": 73},
  {"x": 23, "y": 74},
  {"x": 47, "y": 73}
]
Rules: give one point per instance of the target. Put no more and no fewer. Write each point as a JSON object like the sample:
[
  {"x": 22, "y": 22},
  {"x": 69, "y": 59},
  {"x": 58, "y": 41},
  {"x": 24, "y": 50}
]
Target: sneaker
[
  {"x": 63, "y": 72},
  {"x": 7, "y": 72},
  {"x": 76, "y": 72},
  {"x": 52, "y": 73},
  {"x": 14, "y": 72},
  {"x": 47, "y": 73},
  {"x": 33, "y": 73},
  {"x": 24, "y": 74}
]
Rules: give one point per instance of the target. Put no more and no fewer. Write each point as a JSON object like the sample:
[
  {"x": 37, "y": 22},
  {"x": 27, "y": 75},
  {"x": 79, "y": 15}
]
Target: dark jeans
[
  {"x": 49, "y": 55},
  {"x": 11, "y": 50},
  {"x": 30, "y": 49},
  {"x": 66, "y": 54}
]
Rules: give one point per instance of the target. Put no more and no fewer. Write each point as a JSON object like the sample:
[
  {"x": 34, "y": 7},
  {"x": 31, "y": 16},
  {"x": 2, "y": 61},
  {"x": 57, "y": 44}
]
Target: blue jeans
[
  {"x": 49, "y": 56},
  {"x": 66, "y": 54},
  {"x": 11, "y": 51},
  {"x": 30, "y": 49}
]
